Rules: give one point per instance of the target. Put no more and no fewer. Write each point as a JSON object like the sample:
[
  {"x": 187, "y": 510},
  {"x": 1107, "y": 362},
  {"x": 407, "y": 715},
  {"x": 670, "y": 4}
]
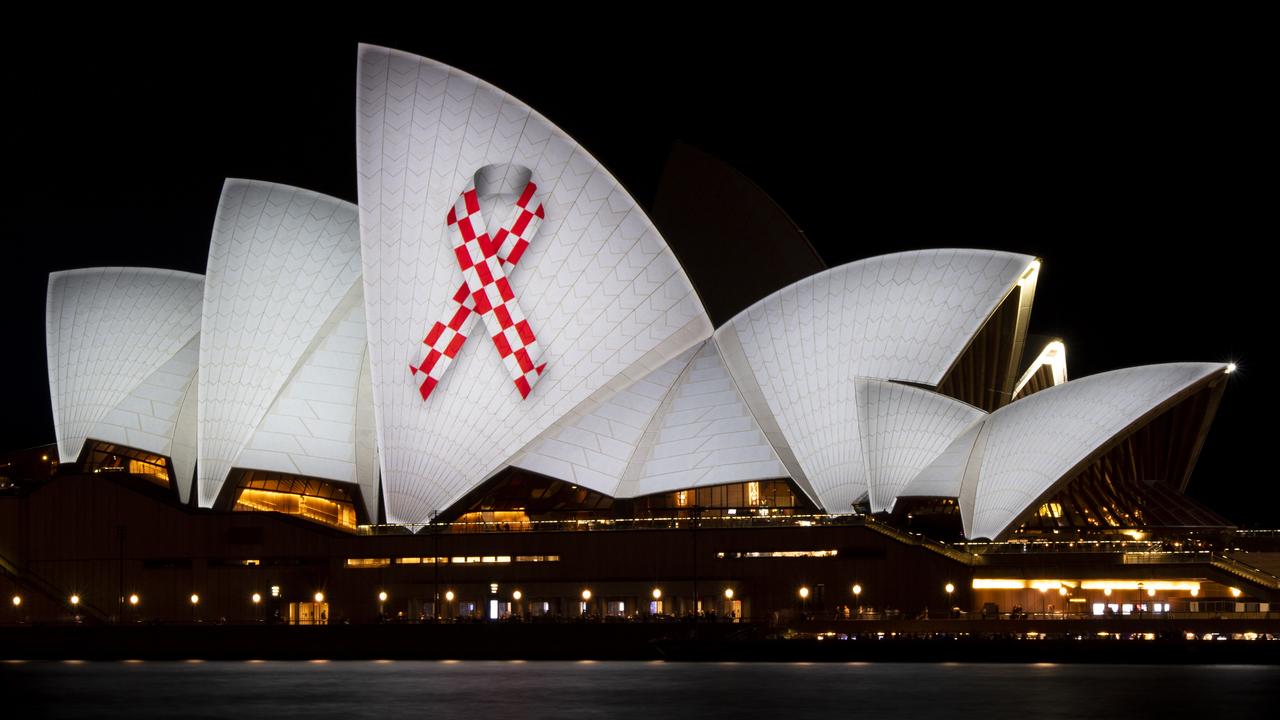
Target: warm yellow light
[
  {"x": 657, "y": 594},
  {"x": 75, "y": 599},
  {"x": 586, "y": 594},
  {"x": 1029, "y": 275},
  {"x": 950, "y": 588},
  {"x": 1235, "y": 592},
  {"x": 1140, "y": 584},
  {"x": 195, "y": 599},
  {"x": 804, "y": 592},
  {"x": 45, "y": 458},
  {"x": 319, "y": 597},
  {"x": 382, "y": 596},
  {"x": 998, "y": 584},
  {"x": 133, "y": 599},
  {"x": 1195, "y": 592},
  {"x": 1151, "y": 592},
  {"x": 17, "y": 600},
  {"x": 1062, "y": 591},
  {"x": 256, "y": 598},
  {"x": 448, "y": 596},
  {"x": 857, "y": 590},
  {"x": 1135, "y": 534},
  {"x": 1231, "y": 367},
  {"x": 1106, "y": 591},
  {"x": 728, "y": 593},
  {"x": 517, "y": 595}
]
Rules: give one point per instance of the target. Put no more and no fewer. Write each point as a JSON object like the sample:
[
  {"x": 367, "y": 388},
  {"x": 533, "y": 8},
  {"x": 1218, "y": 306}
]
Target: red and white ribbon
[{"x": 486, "y": 292}]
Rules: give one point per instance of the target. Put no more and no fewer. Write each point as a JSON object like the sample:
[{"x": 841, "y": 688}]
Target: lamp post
[
  {"x": 516, "y": 596},
  {"x": 195, "y": 604},
  {"x": 382, "y": 599},
  {"x": 804, "y": 598},
  {"x": 857, "y": 597},
  {"x": 448, "y": 598}
]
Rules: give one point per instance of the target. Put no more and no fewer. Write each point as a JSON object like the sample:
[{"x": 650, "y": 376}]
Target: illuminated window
[
  {"x": 537, "y": 558},
  {"x": 753, "y": 494},
  {"x": 1050, "y": 510},
  {"x": 779, "y": 554},
  {"x": 682, "y": 498},
  {"x": 368, "y": 562},
  {"x": 321, "y": 510}
]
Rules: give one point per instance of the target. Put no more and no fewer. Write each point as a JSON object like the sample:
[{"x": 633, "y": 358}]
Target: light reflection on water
[{"x": 646, "y": 690}]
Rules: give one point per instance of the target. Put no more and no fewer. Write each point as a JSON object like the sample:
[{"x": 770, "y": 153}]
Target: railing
[
  {"x": 40, "y": 585},
  {"x": 609, "y": 524},
  {"x": 917, "y": 539}
]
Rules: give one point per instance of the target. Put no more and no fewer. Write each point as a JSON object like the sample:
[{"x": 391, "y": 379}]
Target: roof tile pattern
[
  {"x": 280, "y": 262},
  {"x": 109, "y": 330},
  {"x": 1034, "y": 442},
  {"x": 904, "y": 429},
  {"x": 905, "y": 317}
]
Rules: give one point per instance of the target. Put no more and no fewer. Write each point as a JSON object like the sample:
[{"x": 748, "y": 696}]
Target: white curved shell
[
  {"x": 1033, "y": 443},
  {"x": 904, "y": 429},
  {"x": 601, "y": 289},
  {"x": 681, "y": 426},
  {"x": 113, "y": 340},
  {"x": 905, "y": 317},
  {"x": 321, "y": 424},
  {"x": 280, "y": 262}
]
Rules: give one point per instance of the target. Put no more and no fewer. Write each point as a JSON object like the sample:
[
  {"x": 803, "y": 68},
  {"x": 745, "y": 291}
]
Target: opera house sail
[{"x": 495, "y": 337}]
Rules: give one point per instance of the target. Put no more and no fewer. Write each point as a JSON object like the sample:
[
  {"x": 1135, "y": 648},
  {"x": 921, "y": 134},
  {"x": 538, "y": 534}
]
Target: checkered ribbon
[{"x": 486, "y": 292}]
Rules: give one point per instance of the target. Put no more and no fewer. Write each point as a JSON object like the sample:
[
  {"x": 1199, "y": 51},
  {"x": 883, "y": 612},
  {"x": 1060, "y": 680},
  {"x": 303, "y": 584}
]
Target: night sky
[{"x": 1130, "y": 166}]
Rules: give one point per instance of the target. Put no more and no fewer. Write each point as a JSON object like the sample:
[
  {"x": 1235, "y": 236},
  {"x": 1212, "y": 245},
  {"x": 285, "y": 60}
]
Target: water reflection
[{"x": 635, "y": 690}]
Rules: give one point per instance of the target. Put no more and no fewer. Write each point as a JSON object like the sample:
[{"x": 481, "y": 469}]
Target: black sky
[{"x": 1131, "y": 163}]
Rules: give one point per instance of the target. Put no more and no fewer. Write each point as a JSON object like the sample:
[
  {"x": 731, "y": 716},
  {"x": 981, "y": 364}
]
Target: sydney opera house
[{"x": 493, "y": 388}]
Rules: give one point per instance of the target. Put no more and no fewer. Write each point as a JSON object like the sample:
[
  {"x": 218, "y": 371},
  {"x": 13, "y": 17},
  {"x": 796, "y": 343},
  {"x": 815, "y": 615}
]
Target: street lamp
[
  {"x": 728, "y": 593},
  {"x": 1235, "y": 592},
  {"x": 319, "y": 597},
  {"x": 195, "y": 599},
  {"x": 256, "y": 598},
  {"x": 657, "y": 594},
  {"x": 517, "y": 595},
  {"x": 133, "y": 599},
  {"x": 75, "y": 600}
]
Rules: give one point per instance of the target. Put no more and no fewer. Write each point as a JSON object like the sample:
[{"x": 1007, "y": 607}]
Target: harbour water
[{"x": 651, "y": 690}]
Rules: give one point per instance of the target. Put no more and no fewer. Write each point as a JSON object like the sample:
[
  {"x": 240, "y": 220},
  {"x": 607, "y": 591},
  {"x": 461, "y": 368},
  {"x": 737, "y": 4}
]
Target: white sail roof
[
  {"x": 321, "y": 423},
  {"x": 681, "y": 426},
  {"x": 1027, "y": 447},
  {"x": 118, "y": 342},
  {"x": 601, "y": 289},
  {"x": 796, "y": 354},
  {"x": 281, "y": 261},
  {"x": 904, "y": 429}
]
